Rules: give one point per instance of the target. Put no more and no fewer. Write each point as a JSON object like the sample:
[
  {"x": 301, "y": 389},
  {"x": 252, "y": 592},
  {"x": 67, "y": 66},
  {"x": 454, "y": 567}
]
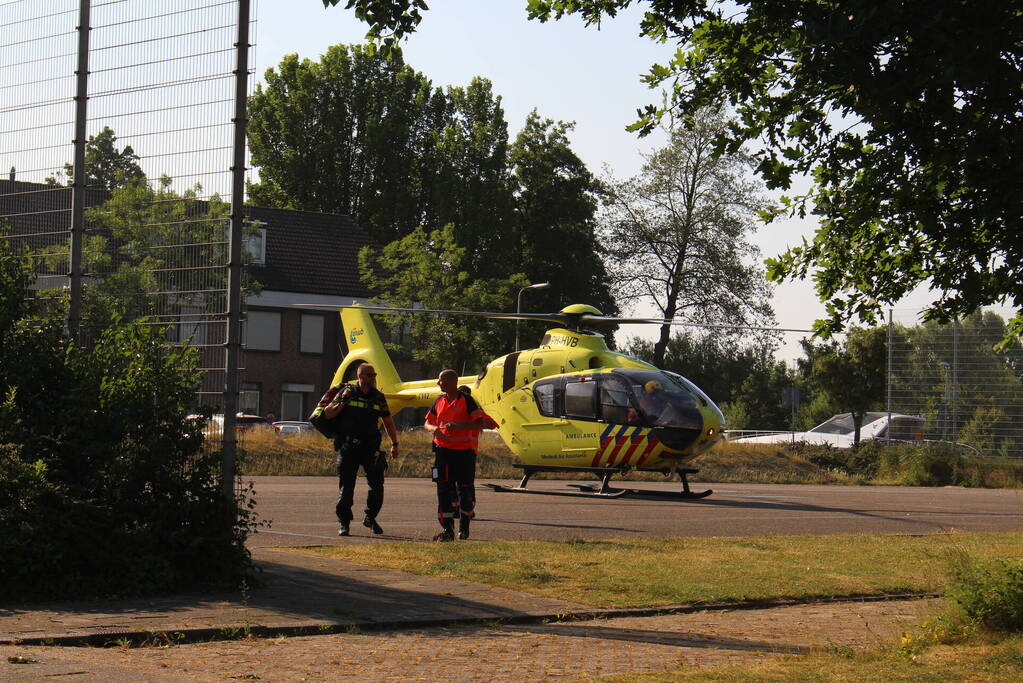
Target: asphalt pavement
[{"x": 301, "y": 510}]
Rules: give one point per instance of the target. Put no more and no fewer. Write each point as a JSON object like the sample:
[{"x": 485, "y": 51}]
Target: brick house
[
  {"x": 297, "y": 257},
  {"x": 291, "y": 352}
]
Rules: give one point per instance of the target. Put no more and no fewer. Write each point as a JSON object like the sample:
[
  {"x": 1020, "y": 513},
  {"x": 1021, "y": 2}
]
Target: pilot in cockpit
[{"x": 653, "y": 400}]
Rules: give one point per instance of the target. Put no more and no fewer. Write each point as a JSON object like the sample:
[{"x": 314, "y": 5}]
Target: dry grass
[
  {"x": 645, "y": 572},
  {"x": 975, "y": 660},
  {"x": 263, "y": 453}
]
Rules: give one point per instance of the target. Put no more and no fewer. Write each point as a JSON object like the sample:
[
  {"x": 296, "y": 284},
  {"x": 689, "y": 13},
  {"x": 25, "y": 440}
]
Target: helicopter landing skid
[
  {"x": 686, "y": 493},
  {"x": 601, "y": 491}
]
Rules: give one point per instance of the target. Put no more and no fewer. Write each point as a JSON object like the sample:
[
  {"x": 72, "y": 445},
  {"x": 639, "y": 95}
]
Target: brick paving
[
  {"x": 377, "y": 624},
  {"x": 516, "y": 652}
]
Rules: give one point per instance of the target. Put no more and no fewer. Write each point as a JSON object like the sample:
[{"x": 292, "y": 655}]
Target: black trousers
[
  {"x": 349, "y": 458},
  {"x": 454, "y": 471}
]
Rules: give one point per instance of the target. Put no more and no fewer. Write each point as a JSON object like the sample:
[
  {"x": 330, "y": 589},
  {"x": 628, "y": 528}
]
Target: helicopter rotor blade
[
  {"x": 568, "y": 319},
  {"x": 559, "y": 318},
  {"x": 609, "y": 320}
]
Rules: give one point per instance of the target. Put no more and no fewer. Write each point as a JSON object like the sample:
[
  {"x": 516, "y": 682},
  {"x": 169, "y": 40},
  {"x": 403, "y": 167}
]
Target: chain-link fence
[
  {"x": 951, "y": 375},
  {"x": 118, "y": 127}
]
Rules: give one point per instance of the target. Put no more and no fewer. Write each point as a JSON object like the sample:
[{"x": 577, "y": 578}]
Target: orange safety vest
[{"x": 460, "y": 409}]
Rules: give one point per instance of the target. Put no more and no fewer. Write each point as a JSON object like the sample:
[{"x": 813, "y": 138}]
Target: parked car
[
  {"x": 243, "y": 422},
  {"x": 839, "y": 431},
  {"x": 292, "y": 427}
]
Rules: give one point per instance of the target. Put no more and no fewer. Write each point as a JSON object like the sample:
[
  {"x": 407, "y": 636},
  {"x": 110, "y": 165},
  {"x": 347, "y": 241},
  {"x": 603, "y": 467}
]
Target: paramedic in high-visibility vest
[{"x": 455, "y": 420}]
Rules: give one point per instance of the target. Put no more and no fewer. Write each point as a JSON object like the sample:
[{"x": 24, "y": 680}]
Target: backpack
[{"x": 329, "y": 427}]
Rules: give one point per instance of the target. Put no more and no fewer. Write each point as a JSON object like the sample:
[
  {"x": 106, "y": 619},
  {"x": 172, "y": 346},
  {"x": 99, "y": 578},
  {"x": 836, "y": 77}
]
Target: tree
[
  {"x": 740, "y": 375},
  {"x": 152, "y": 252},
  {"x": 117, "y": 495},
  {"x": 471, "y": 191},
  {"x": 676, "y": 234},
  {"x": 968, "y": 391},
  {"x": 371, "y": 138},
  {"x": 552, "y": 236},
  {"x": 349, "y": 134},
  {"x": 106, "y": 166},
  {"x": 850, "y": 375},
  {"x": 362, "y": 135},
  {"x": 428, "y": 268},
  {"x": 904, "y": 115}
]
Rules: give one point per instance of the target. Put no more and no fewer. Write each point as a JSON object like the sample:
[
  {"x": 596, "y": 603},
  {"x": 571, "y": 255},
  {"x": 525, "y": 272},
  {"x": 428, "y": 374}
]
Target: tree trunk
[
  {"x": 857, "y": 423},
  {"x": 661, "y": 345}
]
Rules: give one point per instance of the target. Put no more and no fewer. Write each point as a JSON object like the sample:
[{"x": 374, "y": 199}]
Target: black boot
[
  {"x": 463, "y": 528},
  {"x": 371, "y": 523},
  {"x": 448, "y": 534}
]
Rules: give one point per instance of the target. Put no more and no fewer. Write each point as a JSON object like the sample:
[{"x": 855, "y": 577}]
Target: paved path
[
  {"x": 300, "y": 592},
  {"x": 302, "y": 511},
  {"x": 525, "y": 652}
]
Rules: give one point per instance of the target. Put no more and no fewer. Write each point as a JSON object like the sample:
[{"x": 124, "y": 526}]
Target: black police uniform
[{"x": 358, "y": 444}]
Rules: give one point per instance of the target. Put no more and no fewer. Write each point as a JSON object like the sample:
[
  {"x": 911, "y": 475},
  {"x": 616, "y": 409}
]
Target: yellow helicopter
[{"x": 570, "y": 405}]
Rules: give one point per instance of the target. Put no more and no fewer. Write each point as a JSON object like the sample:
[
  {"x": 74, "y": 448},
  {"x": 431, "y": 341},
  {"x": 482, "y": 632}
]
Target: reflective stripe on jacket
[{"x": 460, "y": 409}]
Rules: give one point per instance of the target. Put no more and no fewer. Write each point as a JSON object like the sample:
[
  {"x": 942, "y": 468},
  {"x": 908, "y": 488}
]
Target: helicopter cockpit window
[
  {"x": 662, "y": 401},
  {"x": 689, "y": 386},
  {"x": 615, "y": 406},
  {"x": 543, "y": 392},
  {"x": 579, "y": 401}
]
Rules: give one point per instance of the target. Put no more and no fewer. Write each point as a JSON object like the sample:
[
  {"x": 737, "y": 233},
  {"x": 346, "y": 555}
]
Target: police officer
[
  {"x": 455, "y": 420},
  {"x": 359, "y": 407}
]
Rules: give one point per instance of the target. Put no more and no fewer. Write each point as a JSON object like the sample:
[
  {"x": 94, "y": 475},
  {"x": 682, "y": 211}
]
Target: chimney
[{"x": 12, "y": 174}]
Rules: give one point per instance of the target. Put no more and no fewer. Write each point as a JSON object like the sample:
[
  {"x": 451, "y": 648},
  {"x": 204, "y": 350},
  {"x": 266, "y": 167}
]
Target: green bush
[
  {"x": 991, "y": 594},
  {"x": 105, "y": 488}
]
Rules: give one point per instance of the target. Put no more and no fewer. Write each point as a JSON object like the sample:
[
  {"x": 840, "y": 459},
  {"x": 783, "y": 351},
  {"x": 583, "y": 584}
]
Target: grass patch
[
  {"x": 651, "y": 572},
  {"x": 263, "y": 453},
  {"x": 975, "y": 660}
]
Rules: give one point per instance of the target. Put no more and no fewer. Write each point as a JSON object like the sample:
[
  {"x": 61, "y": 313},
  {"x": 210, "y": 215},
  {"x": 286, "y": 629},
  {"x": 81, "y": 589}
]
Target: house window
[
  {"x": 311, "y": 333},
  {"x": 191, "y": 327},
  {"x": 254, "y": 244},
  {"x": 262, "y": 331},
  {"x": 292, "y": 407},
  {"x": 248, "y": 398}
]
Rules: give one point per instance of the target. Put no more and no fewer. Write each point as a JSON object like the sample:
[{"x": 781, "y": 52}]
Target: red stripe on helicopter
[
  {"x": 605, "y": 438},
  {"x": 652, "y": 443},
  {"x": 619, "y": 439},
  {"x": 636, "y": 439}
]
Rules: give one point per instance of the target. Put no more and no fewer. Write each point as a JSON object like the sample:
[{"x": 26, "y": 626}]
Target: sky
[{"x": 563, "y": 69}]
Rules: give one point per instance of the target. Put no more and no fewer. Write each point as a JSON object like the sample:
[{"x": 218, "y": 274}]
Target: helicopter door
[
  {"x": 579, "y": 437},
  {"x": 541, "y": 432}
]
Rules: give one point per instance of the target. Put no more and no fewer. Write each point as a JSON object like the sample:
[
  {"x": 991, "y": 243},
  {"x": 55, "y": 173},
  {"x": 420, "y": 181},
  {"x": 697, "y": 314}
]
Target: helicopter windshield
[{"x": 662, "y": 402}]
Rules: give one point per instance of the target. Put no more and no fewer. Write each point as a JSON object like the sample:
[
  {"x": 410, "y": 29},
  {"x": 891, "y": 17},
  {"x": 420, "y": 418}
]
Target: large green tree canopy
[
  {"x": 360, "y": 134},
  {"x": 904, "y": 115}
]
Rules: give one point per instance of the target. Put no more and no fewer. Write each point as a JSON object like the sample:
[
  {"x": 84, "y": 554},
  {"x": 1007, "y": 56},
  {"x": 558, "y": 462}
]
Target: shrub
[
  {"x": 105, "y": 488},
  {"x": 990, "y": 594}
]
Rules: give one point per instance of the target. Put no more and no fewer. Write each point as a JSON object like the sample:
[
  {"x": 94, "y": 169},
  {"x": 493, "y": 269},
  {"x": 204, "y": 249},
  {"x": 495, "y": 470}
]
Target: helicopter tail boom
[{"x": 365, "y": 346}]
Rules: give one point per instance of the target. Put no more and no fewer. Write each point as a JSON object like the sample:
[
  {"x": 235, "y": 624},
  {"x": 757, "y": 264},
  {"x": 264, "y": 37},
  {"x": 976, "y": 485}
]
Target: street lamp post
[{"x": 518, "y": 306}]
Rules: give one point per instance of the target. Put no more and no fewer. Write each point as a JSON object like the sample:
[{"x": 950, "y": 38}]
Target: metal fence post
[
  {"x": 888, "y": 375},
  {"x": 955, "y": 379},
  {"x": 77, "y": 236},
  {"x": 234, "y": 265}
]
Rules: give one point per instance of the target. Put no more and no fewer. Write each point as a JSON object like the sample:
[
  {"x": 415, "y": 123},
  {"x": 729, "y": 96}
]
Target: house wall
[{"x": 272, "y": 372}]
